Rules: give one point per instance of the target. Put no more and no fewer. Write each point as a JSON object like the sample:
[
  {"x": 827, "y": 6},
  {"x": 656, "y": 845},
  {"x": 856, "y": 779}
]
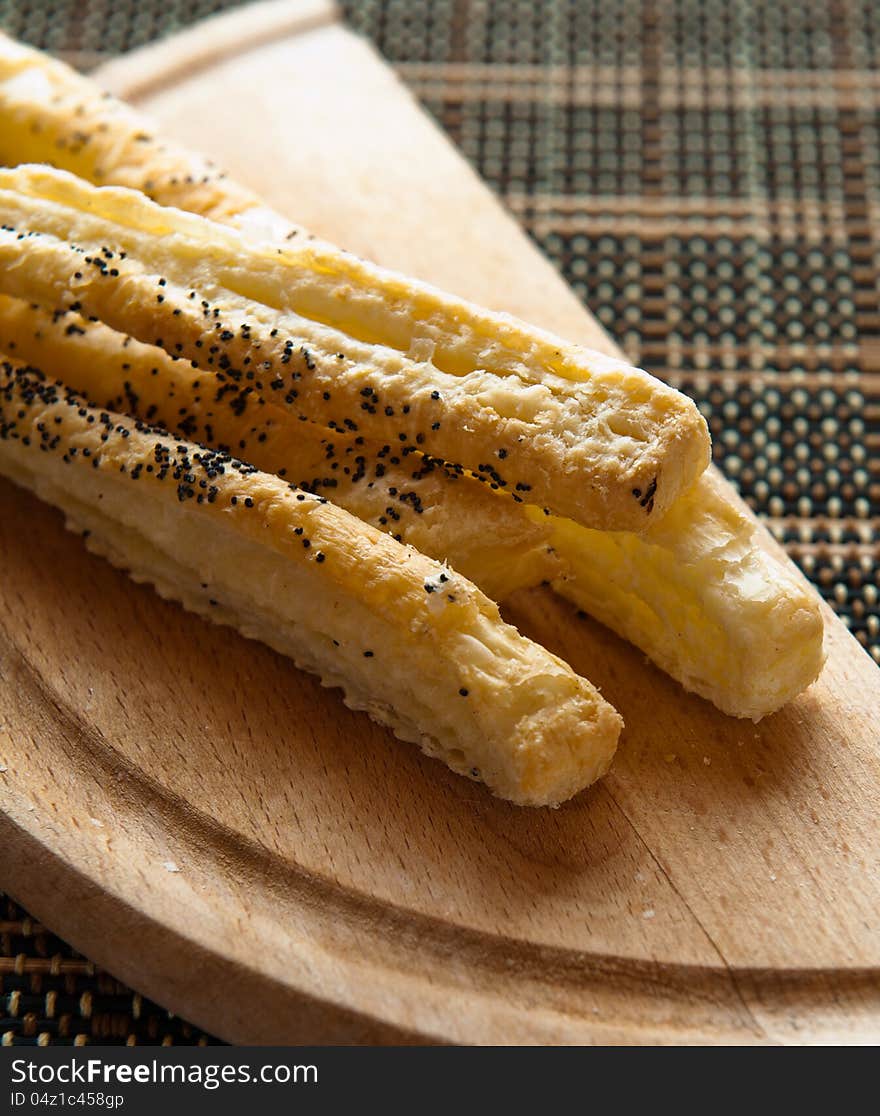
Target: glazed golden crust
[
  {"x": 443, "y": 512},
  {"x": 407, "y": 638},
  {"x": 351, "y": 346}
]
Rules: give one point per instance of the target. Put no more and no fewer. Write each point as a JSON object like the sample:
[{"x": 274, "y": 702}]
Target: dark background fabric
[{"x": 706, "y": 175}]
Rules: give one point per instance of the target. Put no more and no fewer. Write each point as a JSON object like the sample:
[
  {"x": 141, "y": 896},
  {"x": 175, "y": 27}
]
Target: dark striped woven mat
[{"x": 706, "y": 175}]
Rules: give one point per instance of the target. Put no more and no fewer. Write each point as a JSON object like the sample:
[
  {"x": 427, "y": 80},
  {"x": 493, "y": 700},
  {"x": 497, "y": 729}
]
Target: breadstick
[
  {"x": 696, "y": 591},
  {"x": 443, "y": 512},
  {"x": 349, "y": 346},
  {"x": 61, "y": 118},
  {"x": 700, "y": 595},
  {"x": 51, "y": 114},
  {"x": 410, "y": 641}
]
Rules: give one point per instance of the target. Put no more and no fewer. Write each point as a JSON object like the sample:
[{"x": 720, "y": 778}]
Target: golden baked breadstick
[
  {"x": 349, "y": 346},
  {"x": 443, "y": 512},
  {"x": 58, "y": 117},
  {"x": 409, "y": 640},
  {"x": 700, "y": 595}
]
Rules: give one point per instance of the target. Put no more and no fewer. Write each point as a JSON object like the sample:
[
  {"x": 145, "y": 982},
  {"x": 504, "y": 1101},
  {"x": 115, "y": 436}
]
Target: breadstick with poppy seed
[
  {"x": 408, "y": 639},
  {"x": 70, "y": 123},
  {"x": 54, "y": 115},
  {"x": 350, "y": 347},
  {"x": 442, "y": 511}
]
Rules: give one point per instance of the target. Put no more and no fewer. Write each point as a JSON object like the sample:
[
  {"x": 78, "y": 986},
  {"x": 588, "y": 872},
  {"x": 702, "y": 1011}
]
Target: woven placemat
[{"x": 707, "y": 177}]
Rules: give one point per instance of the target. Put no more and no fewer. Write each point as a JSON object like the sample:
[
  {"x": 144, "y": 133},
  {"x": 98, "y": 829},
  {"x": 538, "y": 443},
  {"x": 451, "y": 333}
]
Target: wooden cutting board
[{"x": 209, "y": 824}]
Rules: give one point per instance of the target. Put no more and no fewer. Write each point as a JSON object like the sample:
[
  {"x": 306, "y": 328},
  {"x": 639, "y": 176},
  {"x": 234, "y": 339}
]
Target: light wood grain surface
[{"x": 198, "y": 816}]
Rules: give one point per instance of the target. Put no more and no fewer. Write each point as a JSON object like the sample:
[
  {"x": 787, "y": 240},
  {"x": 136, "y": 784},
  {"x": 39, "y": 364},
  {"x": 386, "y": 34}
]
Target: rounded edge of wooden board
[
  {"x": 242, "y": 1004},
  {"x": 263, "y": 955}
]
